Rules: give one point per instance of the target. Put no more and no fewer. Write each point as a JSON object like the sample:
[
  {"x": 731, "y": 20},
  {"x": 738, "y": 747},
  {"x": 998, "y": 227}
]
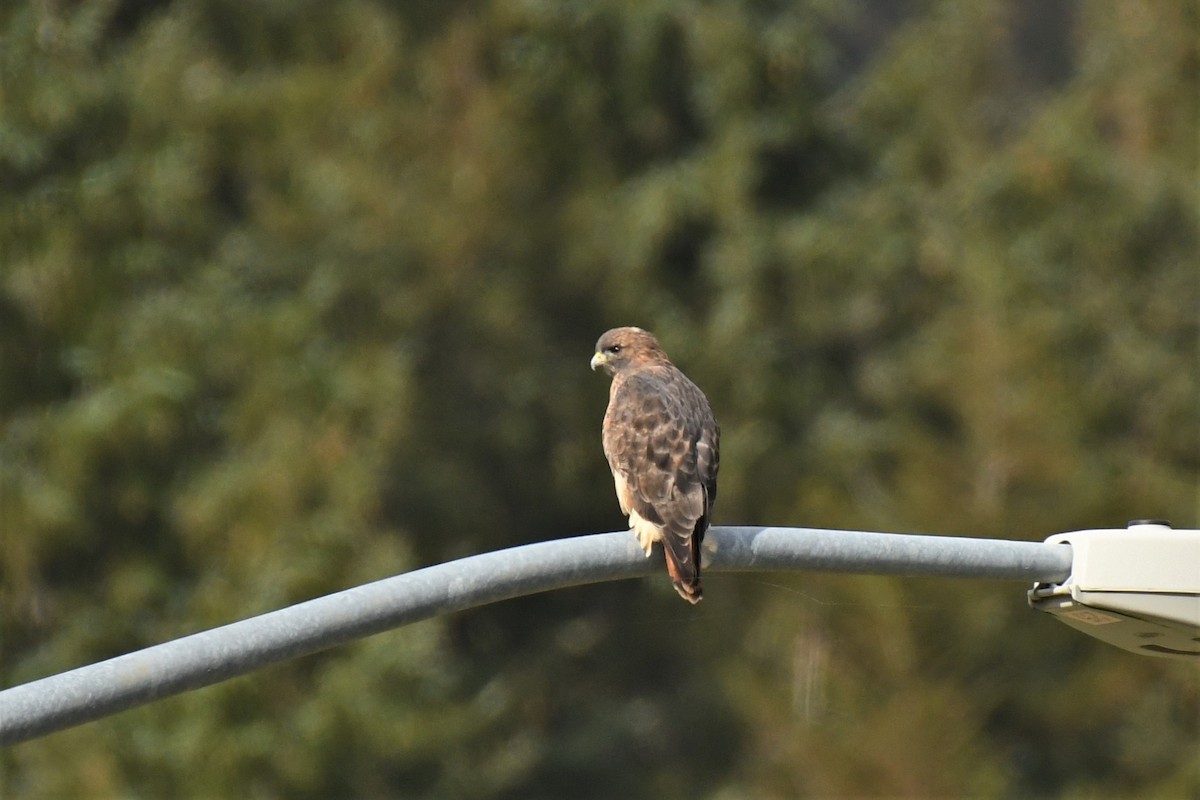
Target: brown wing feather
[{"x": 660, "y": 437}]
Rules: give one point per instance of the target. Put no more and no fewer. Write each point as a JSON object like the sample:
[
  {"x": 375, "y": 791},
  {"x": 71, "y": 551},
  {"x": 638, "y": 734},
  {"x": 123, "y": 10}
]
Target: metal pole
[{"x": 91, "y": 692}]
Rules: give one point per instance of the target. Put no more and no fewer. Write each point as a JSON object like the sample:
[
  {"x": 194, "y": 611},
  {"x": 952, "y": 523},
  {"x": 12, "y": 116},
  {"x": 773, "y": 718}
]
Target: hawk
[{"x": 662, "y": 444}]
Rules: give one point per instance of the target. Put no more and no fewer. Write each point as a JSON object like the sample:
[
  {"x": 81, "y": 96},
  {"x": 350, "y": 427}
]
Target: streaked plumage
[{"x": 662, "y": 443}]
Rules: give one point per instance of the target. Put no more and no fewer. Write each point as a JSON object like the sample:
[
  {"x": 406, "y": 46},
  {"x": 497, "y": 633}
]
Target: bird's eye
[{"x": 614, "y": 349}]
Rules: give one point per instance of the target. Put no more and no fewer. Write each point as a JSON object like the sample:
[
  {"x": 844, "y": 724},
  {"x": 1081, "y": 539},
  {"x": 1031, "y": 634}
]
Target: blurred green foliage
[{"x": 295, "y": 296}]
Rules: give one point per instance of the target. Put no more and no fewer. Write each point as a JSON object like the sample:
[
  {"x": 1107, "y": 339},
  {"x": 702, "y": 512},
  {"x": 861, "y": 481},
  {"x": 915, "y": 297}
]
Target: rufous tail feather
[{"x": 689, "y": 590}]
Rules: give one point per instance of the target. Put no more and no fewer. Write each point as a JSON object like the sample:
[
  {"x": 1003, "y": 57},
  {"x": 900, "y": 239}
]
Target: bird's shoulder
[
  {"x": 660, "y": 395},
  {"x": 656, "y": 390},
  {"x": 665, "y": 379}
]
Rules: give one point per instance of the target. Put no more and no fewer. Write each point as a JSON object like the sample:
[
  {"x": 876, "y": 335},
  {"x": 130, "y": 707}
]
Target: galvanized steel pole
[{"x": 88, "y": 693}]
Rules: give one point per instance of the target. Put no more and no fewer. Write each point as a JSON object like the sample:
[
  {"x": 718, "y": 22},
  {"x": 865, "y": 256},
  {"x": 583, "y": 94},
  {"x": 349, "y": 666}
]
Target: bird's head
[{"x": 627, "y": 348}]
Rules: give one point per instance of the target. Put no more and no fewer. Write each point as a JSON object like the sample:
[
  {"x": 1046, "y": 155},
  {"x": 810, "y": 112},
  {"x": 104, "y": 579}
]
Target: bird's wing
[{"x": 662, "y": 444}]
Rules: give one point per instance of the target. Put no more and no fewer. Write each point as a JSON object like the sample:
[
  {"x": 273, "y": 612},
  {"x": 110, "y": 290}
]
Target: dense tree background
[{"x": 294, "y": 296}]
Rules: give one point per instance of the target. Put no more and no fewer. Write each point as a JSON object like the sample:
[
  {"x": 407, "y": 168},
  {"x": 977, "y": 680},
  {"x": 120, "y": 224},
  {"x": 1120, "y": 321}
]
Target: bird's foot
[
  {"x": 645, "y": 541},
  {"x": 647, "y": 534}
]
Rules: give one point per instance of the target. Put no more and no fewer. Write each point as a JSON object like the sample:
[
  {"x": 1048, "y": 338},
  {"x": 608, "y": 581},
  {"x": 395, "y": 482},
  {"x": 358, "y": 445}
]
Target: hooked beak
[{"x": 598, "y": 360}]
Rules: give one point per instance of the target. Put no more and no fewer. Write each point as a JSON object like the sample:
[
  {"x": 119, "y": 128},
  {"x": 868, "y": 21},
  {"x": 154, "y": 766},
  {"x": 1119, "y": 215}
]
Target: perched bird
[{"x": 662, "y": 444}]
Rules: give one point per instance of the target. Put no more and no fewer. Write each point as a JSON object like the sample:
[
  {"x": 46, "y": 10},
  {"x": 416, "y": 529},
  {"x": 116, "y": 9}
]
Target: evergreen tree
[{"x": 294, "y": 297}]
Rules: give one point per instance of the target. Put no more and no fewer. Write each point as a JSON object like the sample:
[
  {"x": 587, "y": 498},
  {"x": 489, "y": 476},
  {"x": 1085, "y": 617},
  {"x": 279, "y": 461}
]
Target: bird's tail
[
  {"x": 683, "y": 562},
  {"x": 692, "y": 592}
]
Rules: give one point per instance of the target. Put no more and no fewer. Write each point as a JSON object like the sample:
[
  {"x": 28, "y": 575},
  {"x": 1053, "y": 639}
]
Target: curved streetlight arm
[{"x": 88, "y": 693}]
